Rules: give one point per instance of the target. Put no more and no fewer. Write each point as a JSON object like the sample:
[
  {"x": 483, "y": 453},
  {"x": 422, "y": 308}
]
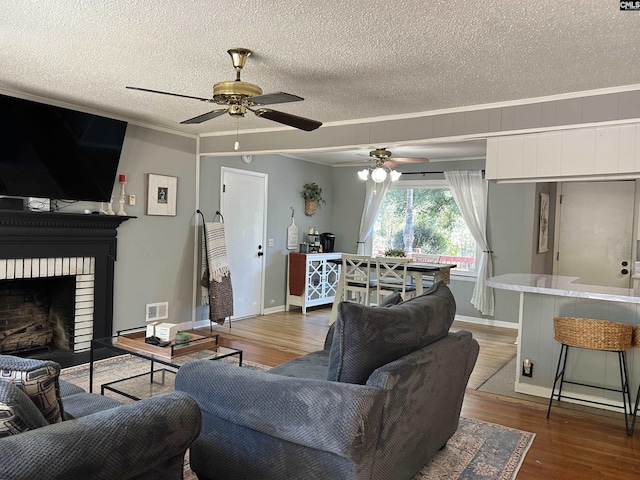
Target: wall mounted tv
[{"x": 57, "y": 153}]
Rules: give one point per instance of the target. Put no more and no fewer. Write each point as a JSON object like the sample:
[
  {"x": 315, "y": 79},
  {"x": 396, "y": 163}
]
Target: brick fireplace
[{"x": 40, "y": 251}]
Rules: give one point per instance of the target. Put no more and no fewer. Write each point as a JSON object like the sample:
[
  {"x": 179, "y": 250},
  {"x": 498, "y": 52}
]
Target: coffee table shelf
[
  {"x": 197, "y": 342},
  {"x": 173, "y": 356}
]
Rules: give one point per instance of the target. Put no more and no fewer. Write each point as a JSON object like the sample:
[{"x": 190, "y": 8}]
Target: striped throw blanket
[
  {"x": 216, "y": 279},
  {"x": 216, "y": 251}
]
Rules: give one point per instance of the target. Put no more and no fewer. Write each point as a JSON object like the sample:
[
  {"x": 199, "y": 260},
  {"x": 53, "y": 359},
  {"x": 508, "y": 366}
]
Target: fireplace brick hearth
[{"x": 48, "y": 244}]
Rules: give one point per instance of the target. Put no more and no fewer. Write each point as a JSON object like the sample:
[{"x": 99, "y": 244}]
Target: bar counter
[{"x": 543, "y": 297}]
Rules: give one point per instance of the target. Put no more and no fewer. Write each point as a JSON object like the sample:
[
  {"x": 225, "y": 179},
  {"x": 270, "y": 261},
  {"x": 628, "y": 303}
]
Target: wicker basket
[
  {"x": 594, "y": 334},
  {"x": 310, "y": 206}
]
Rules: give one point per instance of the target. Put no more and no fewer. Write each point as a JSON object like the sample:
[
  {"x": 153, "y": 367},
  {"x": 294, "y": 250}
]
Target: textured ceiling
[{"x": 349, "y": 59}]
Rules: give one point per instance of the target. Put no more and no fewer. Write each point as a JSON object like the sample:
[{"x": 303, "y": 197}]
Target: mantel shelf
[{"x": 21, "y": 219}]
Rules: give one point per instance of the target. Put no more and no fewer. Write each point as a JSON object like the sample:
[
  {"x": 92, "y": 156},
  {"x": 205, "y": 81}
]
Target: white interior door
[
  {"x": 243, "y": 204},
  {"x": 595, "y": 232}
]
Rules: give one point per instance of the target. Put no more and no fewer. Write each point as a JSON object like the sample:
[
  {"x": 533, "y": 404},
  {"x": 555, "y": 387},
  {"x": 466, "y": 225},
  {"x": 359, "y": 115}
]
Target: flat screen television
[{"x": 57, "y": 153}]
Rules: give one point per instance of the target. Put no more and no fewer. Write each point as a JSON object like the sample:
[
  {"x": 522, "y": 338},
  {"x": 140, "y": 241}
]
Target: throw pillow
[
  {"x": 366, "y": 338},
  {"x": 39, "y": 380},
  {"x": 393, "y": 299},
  {"x": 17, "y": 412}
]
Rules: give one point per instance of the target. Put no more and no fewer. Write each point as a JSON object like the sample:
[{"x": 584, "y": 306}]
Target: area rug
[
  {"x": 111, "y": 369},
  {"x": 478, "y": 450}
]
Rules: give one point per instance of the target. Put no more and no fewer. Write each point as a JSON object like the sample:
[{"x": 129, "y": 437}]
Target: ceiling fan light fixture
[
  {"x": 379, "y": 175},
  {"x": 363, "y": 174},
  {"x": 395, "y": 175}
]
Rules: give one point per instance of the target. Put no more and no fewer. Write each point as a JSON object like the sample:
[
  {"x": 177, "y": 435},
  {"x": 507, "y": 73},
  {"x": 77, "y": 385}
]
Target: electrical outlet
[
  {"x": 157, "y": 311},
  {"x": 132, "y": 200},
  {"x": 527, "y": 368}
]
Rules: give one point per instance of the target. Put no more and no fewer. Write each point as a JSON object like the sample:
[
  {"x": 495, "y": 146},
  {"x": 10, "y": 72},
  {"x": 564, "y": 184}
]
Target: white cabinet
[
  {"x": 580, "y": 153},
  {"x": 311, "y": 279}
]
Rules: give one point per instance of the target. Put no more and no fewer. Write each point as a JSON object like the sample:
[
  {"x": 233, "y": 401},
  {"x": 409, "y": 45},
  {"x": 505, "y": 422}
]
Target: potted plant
[
  {"x": 312, "y": 195},
  {"x": 395, "y": 252}
]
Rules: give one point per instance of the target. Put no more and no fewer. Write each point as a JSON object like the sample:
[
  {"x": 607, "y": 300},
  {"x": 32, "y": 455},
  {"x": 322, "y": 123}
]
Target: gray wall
[
  {"x": 155, "y": 253},
  {"x": 286, "y": 178}
]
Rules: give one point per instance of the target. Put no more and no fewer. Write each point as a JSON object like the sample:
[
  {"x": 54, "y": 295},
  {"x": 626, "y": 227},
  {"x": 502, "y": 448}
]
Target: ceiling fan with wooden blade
[
  {"x": 384, "y": 156},
  {"x": 239, "y": 96}
]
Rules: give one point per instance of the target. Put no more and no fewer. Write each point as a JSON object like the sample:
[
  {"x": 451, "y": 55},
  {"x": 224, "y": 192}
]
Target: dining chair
[
  {"x": 356, "y": 285},
  {"x": 425, "y": 258},
  {"x": 428, "y": 279},
  {"x": 391, "y": 277}
]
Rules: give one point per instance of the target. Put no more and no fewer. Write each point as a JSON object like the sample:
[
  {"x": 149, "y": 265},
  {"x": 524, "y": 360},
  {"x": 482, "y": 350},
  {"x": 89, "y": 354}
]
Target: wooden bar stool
[{"x": 602, "y": 335}]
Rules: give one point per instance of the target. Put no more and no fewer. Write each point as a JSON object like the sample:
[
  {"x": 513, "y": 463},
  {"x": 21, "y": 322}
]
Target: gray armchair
[
  {"x": 377, "y": 402},
  {"x": 100, "y": 438}
]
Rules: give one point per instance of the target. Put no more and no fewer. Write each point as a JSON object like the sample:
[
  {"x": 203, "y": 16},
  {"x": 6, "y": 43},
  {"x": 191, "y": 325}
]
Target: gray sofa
[
  {"x": 377, "y": 402},
  {"x": 99, "y": 438}
]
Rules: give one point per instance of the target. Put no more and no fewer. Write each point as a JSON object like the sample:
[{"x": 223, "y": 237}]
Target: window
[{"x": 422, "y": 218}]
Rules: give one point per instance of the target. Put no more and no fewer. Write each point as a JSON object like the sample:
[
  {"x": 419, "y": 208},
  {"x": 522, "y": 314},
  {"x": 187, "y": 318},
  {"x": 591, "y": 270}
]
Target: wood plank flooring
[{"x": 568, "y": 445}]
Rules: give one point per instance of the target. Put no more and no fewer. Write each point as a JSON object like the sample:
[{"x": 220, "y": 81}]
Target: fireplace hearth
[{"x": 54, "y": 248}]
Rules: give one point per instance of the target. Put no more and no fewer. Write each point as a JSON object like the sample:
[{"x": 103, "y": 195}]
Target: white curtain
[
  {"x": 470, "y": 193},
  {"x": 374, "y": 196}
]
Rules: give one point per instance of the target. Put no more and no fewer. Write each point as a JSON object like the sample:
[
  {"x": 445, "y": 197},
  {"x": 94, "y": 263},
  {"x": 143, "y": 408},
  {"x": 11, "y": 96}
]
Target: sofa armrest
[
  {"x": 122, "y": 442},
  {"x": 335, "y": 417}
]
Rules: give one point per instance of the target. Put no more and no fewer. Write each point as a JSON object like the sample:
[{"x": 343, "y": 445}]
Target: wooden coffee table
[{"x": 132, "y": 342}]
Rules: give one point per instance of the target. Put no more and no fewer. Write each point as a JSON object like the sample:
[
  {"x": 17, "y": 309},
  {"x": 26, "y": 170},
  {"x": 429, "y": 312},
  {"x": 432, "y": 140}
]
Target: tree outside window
[{"x": 424, "y": 220}]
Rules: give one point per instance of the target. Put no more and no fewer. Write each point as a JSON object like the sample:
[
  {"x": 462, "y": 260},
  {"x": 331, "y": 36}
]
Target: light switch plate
[
  {"x": 132, "y": 200},
  {"x": 271, "y": 242}
]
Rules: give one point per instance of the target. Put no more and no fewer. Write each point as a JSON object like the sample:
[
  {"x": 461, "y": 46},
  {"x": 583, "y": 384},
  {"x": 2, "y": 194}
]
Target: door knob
[
  {"x": 625, "y": 263},
  {"x": 624, "y": 271},
  {"x": 260, "y": 254}
]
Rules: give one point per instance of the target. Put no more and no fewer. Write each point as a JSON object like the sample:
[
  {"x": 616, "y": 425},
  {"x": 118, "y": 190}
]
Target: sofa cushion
[
  {"x": 313, "y": 365},
  {"x": 17, "y": 412},
  {"x": 366, "y": 338},
  {"x": 38, "y": 379},
  {"x": 67, "y": 389},
  {"x": 393, "y": 299},
  {"x": 83, "y": 404}
]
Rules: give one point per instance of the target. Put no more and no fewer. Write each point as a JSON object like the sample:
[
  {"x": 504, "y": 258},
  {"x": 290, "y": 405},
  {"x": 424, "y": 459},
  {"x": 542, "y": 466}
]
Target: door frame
[
  {"x": 635, "y": 227},
  {"x": 263, "y": 259}
]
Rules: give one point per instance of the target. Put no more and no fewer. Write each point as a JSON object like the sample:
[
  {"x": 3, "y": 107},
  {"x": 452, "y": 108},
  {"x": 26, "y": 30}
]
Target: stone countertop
[{"x": 561, "y": 286}]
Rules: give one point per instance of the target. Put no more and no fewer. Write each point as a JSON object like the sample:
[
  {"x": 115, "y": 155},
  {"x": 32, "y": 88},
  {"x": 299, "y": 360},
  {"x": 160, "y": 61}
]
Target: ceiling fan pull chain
[{"x": 236, "y": 145}]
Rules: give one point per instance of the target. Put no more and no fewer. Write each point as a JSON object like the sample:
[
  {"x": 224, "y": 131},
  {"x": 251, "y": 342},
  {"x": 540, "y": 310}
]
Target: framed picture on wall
[
  {"x": 162, "y": 195},
  {"x": 543, "y": 236}
]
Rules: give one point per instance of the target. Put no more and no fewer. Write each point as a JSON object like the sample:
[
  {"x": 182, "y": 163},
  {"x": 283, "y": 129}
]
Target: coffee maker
[{"x": 327, "y": 240}]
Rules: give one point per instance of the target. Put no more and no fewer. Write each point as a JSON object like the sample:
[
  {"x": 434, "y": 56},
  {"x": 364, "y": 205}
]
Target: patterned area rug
[
  {"x": 116, "y": 368},
  {"x": 478, "y": 450}
]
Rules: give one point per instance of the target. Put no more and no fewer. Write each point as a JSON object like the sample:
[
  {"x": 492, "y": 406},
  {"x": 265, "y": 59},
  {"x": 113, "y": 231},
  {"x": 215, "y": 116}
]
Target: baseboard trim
[
  {"x": 277, "y": 309},
  {"x": 545, "y": 392},
  {"x": 486, "y": 321},
  {"x": 205, "y": 322}
]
